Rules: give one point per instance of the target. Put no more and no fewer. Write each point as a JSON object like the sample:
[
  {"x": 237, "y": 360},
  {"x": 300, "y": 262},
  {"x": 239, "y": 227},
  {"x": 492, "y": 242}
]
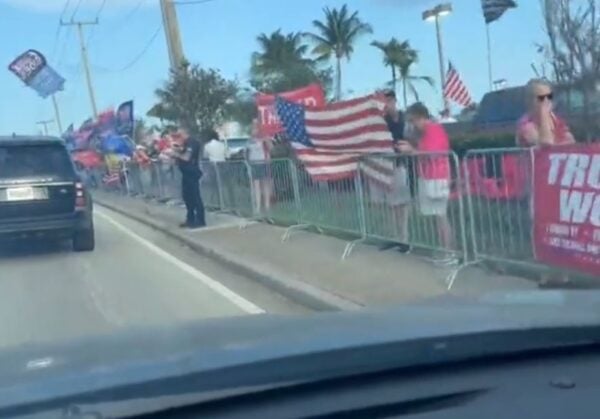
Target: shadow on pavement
[{"x": 26, "y": 248}]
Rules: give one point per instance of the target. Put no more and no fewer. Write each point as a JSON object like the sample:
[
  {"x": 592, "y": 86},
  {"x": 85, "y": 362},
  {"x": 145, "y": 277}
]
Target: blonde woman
[{"x": 540, "y": 126}]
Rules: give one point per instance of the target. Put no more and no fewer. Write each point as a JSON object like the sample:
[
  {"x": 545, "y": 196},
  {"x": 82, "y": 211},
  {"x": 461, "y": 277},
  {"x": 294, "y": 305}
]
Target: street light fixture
[{"x": 434, "y": 15}]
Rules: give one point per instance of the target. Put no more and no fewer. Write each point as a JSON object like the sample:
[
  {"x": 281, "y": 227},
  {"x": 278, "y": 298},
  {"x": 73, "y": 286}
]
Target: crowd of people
[{"x": 420, "y": 184}]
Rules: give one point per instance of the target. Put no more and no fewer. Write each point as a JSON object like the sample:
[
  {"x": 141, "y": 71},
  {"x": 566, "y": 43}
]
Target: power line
[
  {"x": 101, "y": 8},
  {"x": 91, "y": 32},
  {"x": 121, "y": 23},
  {"x": 133, "y": 11},
  {"x": 76, "y": 9},
  {"x": 58, "y": 29},
  {"x": 144, "y": 50},
  {"x": 137, "y": 57}
]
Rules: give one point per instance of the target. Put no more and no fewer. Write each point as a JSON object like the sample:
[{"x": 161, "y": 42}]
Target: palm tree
[
  {"x": 278, "y": 52},
  {"x": 335, "y": 38},
  {"x": 399, "y": 56},
  {"x": 282, "y": 63}
]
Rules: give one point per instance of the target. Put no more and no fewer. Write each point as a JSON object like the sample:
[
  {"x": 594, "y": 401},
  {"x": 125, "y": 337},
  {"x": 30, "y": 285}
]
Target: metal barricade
[
  {"x": 134, "y": 181},
  {"x": 210, "y": 186},
  {"x": 274, "y": 191},
  {"x": 415, "y": 200},
  {"x": 170, "y": 178},
  {"x": 236, "y": 188},
  {"x": 331, "y": 205},
  {"x": 498, "y": 190}
]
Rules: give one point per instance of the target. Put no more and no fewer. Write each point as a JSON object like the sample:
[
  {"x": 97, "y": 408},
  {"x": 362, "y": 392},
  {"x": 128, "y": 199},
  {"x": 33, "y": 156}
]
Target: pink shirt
[
  {"x": 561, "y": 130},
  {"x": 434, "y": 140}
]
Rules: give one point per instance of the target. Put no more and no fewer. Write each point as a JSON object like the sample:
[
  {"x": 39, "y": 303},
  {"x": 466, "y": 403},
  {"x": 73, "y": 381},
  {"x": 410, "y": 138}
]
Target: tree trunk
[
  {"x": 404, "y": 87},
  {"x": 394, "y": 80},
  {"x": 338, "y": 76}
]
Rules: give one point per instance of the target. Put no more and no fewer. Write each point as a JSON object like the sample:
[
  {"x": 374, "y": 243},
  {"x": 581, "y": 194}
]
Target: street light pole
[
  {"x": 441, "y": 58},
  {"x": 434, "y": 15}
]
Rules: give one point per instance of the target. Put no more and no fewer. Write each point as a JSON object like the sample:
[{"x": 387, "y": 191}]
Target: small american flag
[
  {"x": 330, "y": 140},
  {"x": 455, "y": 89}
]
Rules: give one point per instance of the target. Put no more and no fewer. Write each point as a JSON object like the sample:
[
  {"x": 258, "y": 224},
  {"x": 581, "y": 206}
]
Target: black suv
[{"x": 41, "y": 194}]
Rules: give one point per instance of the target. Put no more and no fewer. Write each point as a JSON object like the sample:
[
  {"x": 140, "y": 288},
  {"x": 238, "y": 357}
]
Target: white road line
[{"x": 216, "y": 286}]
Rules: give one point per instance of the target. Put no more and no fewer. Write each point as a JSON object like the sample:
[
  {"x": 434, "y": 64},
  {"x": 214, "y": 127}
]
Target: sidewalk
[{"x": 308, "y": 266}]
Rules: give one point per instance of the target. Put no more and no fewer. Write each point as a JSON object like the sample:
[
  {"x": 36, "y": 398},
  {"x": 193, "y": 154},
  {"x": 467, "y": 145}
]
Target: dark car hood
[{"x": 33, "y": 373}]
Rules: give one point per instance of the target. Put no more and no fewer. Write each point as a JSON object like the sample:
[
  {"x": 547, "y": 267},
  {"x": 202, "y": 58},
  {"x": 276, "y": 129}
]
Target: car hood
[{"x": 33, "y": 372}]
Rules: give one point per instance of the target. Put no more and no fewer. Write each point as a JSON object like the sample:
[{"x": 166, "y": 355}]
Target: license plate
[{"x": 20, "y": 194}]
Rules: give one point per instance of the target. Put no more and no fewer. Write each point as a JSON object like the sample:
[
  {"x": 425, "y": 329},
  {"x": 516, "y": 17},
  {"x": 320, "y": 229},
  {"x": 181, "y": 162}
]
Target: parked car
[{"x": 41, "y": 195}]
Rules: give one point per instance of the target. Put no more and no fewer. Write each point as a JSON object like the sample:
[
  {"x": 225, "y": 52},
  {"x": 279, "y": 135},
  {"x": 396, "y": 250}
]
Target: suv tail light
[{"x": 80, "y": 203}]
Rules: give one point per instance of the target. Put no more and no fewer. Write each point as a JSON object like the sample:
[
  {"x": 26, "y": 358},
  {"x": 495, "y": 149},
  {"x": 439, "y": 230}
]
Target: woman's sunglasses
[{"x": 542, "y": 98}]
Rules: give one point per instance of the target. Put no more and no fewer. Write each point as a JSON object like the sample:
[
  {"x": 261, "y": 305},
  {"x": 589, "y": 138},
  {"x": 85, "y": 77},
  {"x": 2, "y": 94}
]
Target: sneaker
[{"x": 404, "y": 248}]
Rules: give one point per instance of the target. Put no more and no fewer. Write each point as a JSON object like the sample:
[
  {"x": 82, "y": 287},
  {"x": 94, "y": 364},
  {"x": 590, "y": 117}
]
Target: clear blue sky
[{"x": 222, "y": 34}]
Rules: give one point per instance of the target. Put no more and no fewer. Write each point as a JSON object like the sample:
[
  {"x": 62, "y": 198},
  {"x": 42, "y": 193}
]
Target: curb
[{"x": 299, "y": 292}]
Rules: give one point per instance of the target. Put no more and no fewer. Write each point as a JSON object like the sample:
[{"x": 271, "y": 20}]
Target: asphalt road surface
[{"x": 136, "y": 277}]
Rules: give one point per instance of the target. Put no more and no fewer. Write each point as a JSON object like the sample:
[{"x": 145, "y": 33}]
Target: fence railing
[
  {"x": 499, "y": 195},
  {"x": 472, "y": 210}
]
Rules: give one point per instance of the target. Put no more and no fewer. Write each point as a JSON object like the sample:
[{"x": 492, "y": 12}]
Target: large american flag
[
  {"x": 330, "y": 140},
  {"x": 455, "y": 89}
]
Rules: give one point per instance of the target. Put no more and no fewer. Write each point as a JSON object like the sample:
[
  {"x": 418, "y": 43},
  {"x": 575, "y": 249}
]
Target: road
[{"x": 136, "y": 277}]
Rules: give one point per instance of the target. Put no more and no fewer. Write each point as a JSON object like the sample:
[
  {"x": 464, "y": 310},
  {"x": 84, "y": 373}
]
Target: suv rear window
[{"x": 35, "y": 160}]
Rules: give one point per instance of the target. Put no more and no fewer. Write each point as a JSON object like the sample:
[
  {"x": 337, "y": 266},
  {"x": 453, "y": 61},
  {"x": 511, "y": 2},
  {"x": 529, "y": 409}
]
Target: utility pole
[
  {"x": 45, "y": 124},
  {"x": 84, "y": 58},
  {"x": 172, "y": 33},
  {"x": 57, "y": 115}
]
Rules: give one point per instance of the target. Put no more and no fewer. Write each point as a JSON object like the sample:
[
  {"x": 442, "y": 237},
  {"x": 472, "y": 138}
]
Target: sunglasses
[{"x": 542, "y": 98}]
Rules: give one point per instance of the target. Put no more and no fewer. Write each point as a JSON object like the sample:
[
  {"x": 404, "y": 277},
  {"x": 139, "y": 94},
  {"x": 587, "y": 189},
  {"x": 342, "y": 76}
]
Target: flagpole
[{"x": 489, "y": 57}]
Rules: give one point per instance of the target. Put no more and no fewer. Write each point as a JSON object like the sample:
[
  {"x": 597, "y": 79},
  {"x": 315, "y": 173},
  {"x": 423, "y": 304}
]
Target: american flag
[
  {"x": 455, "y": 89},
  {"x": 494, "y": 9},
  {"x": 330, "y": 140}
]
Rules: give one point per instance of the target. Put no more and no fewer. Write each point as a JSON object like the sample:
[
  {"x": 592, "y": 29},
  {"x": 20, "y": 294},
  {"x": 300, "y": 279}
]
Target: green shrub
[{"x": 475, "y": 141}]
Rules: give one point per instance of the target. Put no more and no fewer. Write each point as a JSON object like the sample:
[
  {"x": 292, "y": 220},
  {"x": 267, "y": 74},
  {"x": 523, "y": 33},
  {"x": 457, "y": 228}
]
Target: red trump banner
[
  {"x": 311, "y": 95},
  {"x": 567, "y": 207}
]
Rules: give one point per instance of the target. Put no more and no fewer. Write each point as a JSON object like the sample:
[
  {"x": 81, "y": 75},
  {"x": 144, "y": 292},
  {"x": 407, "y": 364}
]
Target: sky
[{"x": 129, "y": 60}]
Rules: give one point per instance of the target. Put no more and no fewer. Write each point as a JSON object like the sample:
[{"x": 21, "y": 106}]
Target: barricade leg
[
  {"x": 361, "y": 208},
  {"x": 298, "y": 203}
]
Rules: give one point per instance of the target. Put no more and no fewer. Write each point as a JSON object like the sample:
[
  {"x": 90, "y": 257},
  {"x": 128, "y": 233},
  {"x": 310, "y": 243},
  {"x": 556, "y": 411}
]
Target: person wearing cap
[{"x": 397, "y": 197}]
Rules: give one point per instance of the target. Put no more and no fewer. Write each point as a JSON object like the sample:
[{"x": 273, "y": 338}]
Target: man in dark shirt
[
  {"x": 395, "y": 200},
  {"x": 187, "y": 155},
  {"x": 393, "y": 117}
]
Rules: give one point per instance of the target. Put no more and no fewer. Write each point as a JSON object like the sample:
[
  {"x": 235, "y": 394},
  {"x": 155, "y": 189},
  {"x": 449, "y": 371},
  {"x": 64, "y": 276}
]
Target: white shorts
[
  {"x": 433, "y": 196},
  {"x": 398, "y": 193}
]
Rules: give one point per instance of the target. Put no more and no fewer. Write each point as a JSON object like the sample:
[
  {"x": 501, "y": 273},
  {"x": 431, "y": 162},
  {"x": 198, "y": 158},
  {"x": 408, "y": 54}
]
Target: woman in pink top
[
  {"x": 433, "y": 168},
  {"x": 540, "y": 125}
]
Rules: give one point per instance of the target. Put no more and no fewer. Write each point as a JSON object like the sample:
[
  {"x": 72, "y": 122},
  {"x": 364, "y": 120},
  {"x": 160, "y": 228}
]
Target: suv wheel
[{"x": 84, "y": 241}]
